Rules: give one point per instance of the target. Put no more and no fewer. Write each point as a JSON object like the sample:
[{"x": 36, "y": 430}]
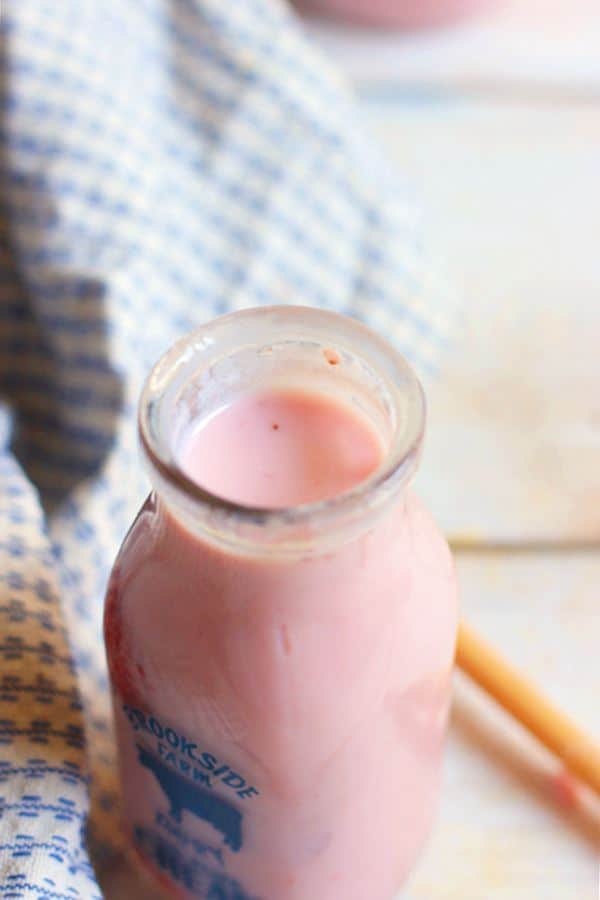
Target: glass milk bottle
[{"x": 281, "y": 674}]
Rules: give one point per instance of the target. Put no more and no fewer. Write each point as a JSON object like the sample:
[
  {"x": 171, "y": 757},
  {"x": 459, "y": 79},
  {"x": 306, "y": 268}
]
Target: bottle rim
[{"x": 291, "y": 322}]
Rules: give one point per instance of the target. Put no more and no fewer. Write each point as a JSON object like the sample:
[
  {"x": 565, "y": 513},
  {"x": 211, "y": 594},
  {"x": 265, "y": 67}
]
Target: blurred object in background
[
  {"x": 396, "y": 13},
  {"x": 517, "y": 44}
]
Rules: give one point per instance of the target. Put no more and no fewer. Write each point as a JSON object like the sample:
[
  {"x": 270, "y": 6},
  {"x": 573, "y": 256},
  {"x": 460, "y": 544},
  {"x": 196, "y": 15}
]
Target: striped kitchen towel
[{"x": 162, "y": 161}]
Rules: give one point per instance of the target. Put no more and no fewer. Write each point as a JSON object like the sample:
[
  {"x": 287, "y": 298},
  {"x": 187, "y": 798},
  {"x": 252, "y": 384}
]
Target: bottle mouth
[{"x": 279, "y": 346}]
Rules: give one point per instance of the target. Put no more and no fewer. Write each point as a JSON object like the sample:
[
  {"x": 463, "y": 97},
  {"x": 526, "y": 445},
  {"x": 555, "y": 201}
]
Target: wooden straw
[{"x": 522, "y": 700}]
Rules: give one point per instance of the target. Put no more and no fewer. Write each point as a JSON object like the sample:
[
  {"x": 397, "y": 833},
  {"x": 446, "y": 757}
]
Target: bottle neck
[{"x": 281, "y": 348}]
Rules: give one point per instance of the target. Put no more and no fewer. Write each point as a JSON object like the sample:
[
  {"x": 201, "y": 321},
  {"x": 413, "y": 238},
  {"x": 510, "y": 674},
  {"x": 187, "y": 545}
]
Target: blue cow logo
[
  {"x": 183, "y": 794},
  {"x": 195, "y": 875}
]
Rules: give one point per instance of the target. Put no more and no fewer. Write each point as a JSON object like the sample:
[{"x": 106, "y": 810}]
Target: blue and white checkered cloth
[{"x": 162, "y": 161}]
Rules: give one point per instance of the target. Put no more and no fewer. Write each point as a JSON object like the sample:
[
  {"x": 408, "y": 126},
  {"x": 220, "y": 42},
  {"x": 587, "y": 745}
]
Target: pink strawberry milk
[
  {"x": 281, "y": 619},
  {"x": 401, "y": 14}
]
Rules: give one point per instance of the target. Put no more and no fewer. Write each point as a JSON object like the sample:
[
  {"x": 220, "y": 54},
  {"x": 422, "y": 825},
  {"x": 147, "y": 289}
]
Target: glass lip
[{"x": 396, "y": 470}]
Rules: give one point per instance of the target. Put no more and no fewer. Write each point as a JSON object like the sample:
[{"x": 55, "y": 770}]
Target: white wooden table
[{"x": 511, "y": 181}]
